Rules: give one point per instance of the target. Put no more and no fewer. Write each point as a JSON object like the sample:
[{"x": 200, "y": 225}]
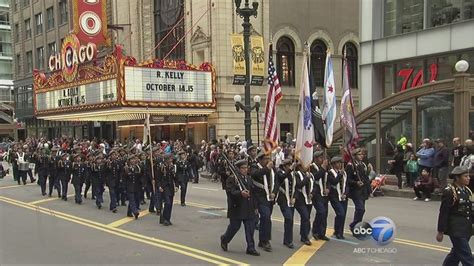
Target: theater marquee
[{"x": 167, "y": 85}]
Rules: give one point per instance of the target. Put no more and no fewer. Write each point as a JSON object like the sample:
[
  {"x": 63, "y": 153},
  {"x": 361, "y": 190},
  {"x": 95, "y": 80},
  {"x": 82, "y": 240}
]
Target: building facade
[
  {"x": 7, "y": 125},
  {"x": 408, "y": 43}
]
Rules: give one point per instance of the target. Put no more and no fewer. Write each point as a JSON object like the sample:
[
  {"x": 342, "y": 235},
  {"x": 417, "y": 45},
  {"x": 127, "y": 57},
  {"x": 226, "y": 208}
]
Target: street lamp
[
  {"x": 245, "y": 13},
  {"x": 248, "y": 109}
]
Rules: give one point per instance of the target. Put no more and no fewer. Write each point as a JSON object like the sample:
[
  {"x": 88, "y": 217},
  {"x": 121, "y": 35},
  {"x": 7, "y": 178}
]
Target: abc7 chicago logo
[{"x": 380, "y": 229}]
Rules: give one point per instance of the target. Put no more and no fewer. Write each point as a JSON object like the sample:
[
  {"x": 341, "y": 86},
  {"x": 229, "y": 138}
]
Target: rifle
[{"x": 234, "y": 171}]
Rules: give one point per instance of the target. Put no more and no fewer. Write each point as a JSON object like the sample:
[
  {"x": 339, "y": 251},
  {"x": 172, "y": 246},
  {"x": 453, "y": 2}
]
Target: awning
[{"x": 126, "y": 113}]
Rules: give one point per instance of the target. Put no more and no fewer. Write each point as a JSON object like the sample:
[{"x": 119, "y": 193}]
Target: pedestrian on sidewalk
[
  {"x": 411, "y": 170},
  {"x": 424, "y": 185}
]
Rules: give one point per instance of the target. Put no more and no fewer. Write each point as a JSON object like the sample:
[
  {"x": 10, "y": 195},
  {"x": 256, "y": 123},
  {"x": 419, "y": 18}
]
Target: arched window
[
  {"x": 286, "y": 61},
  {"x": 318, "y": 62},
  {"x": 351, "y": 55}
]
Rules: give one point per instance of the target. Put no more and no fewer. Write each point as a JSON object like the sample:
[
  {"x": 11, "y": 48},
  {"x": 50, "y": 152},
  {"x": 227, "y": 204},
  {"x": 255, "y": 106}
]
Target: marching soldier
[
  {"x": 114, "y": 172},
  {"x": 286, "y": 199},
  {"x": 320, "y": 195},
  {"x": 167, "y": 185},
  {"x": 21, "y": 160},
  {"x": 303, "y": 202},
  {"x": 456, "y": 216},
  {"x": 98, "y": 179},
  {"x": 224, "y": 167},
  {"x": 359, "y": 185},
  {"x": 121, "y": 188},
  {"x": 53, "y": 175},
  {"x": 242, "y": 208},
  {"x": 79, "y": 172},
  {"x": 42, "y": 168},
  {"x": 263, "y": 178},
  {"x": 337, "y": 180},
  {"x": 133, "y": 173},
  {"x": 183, "y": 169},
  {"x": 89, "y": 162},
  {"x": 64, "y": 173},
  {"x": 252, "y": 154}
]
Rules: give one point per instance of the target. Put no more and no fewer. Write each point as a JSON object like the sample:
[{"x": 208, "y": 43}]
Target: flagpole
[{"x": 151, "y": 151}]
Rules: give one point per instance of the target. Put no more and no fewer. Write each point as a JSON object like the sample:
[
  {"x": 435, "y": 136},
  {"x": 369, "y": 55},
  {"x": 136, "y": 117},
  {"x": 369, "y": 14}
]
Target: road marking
[
  {"x": 211, "y": 213},
  {"x": 48, "y": 199},
  {"x": 178, "y": 248},
  {"x": 396, "y": 240},
  {"x": 127, "y": 219},
  {"x": 14, "y": 186},
  {"x": 345, "y": 241},
  {"x": 304, "y": 253},
  {"x": 205, "y": 188}
]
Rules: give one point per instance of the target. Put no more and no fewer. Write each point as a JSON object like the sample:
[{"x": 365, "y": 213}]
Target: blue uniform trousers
[
  {"x": 184, "y": 188},
  {"x": 42, "y": 182},
  {"x": 233, "y": 228},
  {"x": 54, "y": 183},
  {"x": 460, "y": 252},
  {"x": 167, "y": 198},
  {"x": 99, "y": 192},
  {"x": 358, "y": 212},
  {"x": 340, "y": 208},
  {"x": 321, "y": 220},
  {"x": 288, "y": 215},
  {"x": 77, "y": 193},
  {"x": 133, "y": 203},
  {"x": 265, "y": 209},
  {"x": 64, "y": 187},
  {"x": 305, "y": 224},
  {"x": 113, "y": 198}
]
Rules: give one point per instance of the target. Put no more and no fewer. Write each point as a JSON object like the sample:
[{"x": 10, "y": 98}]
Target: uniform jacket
[
  {"x": 114, "y": 172},
  {"x": 357, "y": 171},
  {"x": 304, "y": 187},
  {"x": 239, "y": 207},
  {"x": 337, "y": 184},
  {"x": 285, "y": 187},
  {"x": 455, "y": 213},
  {"x": 320, "y": 181},
  {"x": 264, "y": 181},
  {"x": 133, "y": 176},
  {"x": 79, "y": 172},
  {"x": 183, "y": 170},
  {"x": 64, "y": 170},
  {"x": 167, "y": 178}
]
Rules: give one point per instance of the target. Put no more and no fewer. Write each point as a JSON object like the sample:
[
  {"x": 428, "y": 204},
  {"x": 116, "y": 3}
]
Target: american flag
[{"x": 274, "y": 96}]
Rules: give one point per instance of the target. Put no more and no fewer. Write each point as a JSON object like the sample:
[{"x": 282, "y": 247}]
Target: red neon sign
[{"x": 417, "y": 80}]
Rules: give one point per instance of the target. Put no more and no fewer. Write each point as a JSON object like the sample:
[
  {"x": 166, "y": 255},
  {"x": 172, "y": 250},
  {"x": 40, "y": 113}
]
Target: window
[
  {"x": 4, "y": 18},
  {"x": 52, "y": 48},
  {"x": 40, "y": 58},
  {"x": 5, "y": 43},
  {"x": 351, "y": 56},
  {"x": 25, "y": 3},
  {"x": 318, "y": 62},
  {"x": 18, "y": 64},
  {"x": 27, "y": 28},
  {"x": 17, "y": 32},
  {"x": 402, "y": 16},
  {"x": 39, "y": 23},
  {"x": 29, "y": 62},
  {"x": 166, "y": 17},
  {"x": 286, "y": 61},
  {"x": 50, "y": 18},
  {"x": 62, "y": 12},
  {"x": 442, "y": 12}
]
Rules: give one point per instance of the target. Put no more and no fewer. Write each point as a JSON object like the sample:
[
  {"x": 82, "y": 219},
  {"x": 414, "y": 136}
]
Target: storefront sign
[
  {"x": 418, "y": 79},
  {"x": 72, "y": 54},
  {"x": 94, "y": 93},
  {"x": 167, "y": 85},
  {"x": 90, "y": 21}
]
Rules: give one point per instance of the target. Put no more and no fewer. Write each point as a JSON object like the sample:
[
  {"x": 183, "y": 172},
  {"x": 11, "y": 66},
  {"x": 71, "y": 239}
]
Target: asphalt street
[{"x": 41, "y": 230}]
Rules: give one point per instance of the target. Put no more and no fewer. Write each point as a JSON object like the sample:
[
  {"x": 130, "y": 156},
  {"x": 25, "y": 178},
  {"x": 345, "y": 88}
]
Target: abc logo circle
[
  {"x": 383, "y": 230},
  {"x": 362, "y": 231}
]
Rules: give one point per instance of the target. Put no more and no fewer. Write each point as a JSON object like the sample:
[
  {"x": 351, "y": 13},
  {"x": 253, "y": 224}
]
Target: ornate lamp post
[{"x": 245, "y": 13}]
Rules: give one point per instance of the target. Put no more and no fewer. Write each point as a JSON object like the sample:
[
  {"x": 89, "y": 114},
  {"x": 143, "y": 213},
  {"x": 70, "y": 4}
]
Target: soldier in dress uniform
[
  {"x": 114, "y": 171},
  {"x": 121, "y": 188},
  {"x": 242, "y": 208},
  {"x": 53, "y": 175},
  {"x": 98, "y": 179},
  {"x": 90, "y": 160},
  {"x": 155, "y": 201},
  {"x": 64, "y": 174},
  {"x": 252, "y": 154},
  {"x": 320, "y": 195},
  {"x": 133, "y": 173},
  {"x": 79, "y": 172},
  {"x": 303, "y": 200},
  {"x": 224, "y": 167},
  {"x": 456, "y": 216},
  {"x": 263, "y": 177},
  {"x": 167, "y": 185},
  {"x": 337, "y": 179},
  {"x": 359, "y": 185},
  {"x": 42, "y": 168},
  {"x": 183, "y": 170},
  {"x": 286, "y": 187}
]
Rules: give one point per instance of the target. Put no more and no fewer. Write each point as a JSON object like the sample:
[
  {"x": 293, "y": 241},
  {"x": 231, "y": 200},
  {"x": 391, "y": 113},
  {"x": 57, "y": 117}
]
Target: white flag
[
  {"x": 305, "y": 135},
  {"x": 146, "y": 130}
]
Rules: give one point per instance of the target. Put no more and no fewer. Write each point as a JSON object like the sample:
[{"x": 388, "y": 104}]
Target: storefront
[{"x": 83, "y": 90}]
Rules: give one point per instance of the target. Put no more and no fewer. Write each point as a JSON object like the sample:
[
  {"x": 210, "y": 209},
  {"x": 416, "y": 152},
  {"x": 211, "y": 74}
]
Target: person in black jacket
[
  {"x": 337, "y": 181},
  {"x": 320, "y": 193},
  {"x": 53, "y": 174},
  {"x": 359, "y": 185},
  {"x": 303, "y": 200},
  {"x": 133, "y": 173},
  {"x": 285, "y": 191},
  {"x": 397, "y": 165},
  {"x": 263, "y": 178},
  {"x": 78, "y": 176},
  {"x": 98, "y": 179},
  {"x": 183, "y": 170},
  {"x": 242, "y": 208},
  {"x": 112, "y": 179},
  {"x": 455, "y": 218},
  {"x": 167, "y": 186},
  {"x": 42, "y": 168},
  {"x": 64, "y": 174}
]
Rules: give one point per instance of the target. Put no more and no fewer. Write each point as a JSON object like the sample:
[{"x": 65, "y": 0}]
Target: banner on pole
[
  {"x": 238, "y": 56},
  {"x": 257, "y": 60}
]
